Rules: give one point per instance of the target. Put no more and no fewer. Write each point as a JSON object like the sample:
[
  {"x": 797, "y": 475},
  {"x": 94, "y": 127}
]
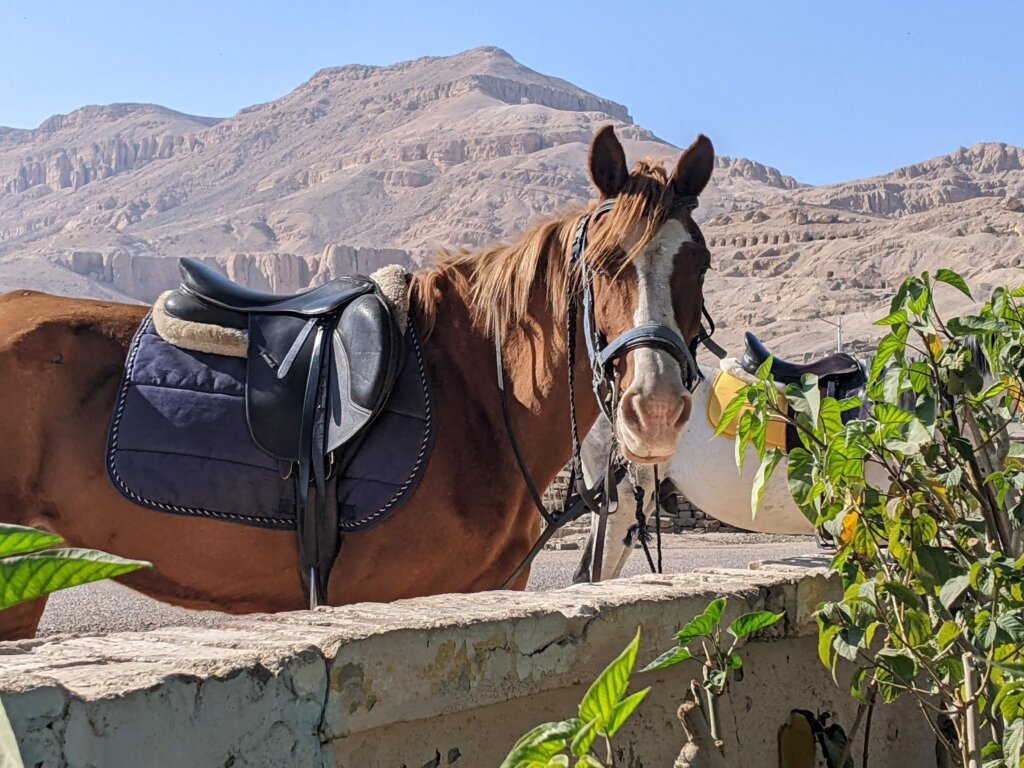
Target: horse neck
[{"x": 535, "y": 365}]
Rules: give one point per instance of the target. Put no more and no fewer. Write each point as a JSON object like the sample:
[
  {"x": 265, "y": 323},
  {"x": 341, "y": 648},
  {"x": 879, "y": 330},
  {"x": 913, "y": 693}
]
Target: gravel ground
[{"x": 109, "y": 607}]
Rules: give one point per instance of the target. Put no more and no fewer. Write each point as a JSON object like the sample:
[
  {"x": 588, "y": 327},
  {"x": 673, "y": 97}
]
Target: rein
[{"x": 602, "y": 499}]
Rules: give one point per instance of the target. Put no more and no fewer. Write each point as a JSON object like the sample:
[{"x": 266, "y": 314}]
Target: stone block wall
[{"x": 450, "y": 680}]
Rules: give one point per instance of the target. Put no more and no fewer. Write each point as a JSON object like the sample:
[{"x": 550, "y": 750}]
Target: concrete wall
[{"x": 438, "y": 681}]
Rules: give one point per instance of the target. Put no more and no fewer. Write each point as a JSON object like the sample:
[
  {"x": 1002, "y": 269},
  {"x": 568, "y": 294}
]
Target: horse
[{"x": 470, "y": 519}]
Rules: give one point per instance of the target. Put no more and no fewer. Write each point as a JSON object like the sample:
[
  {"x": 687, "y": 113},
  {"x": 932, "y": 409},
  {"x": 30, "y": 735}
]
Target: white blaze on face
[
  {"x": 656, "y": 388},
  {"x": 654, "y": 305}
]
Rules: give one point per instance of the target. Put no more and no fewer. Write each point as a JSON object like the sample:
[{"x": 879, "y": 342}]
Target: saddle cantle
[
  {"x": 839, "y": 375},
  {"x": 839, "y": 368},
  {"x": 319, "y": 367}
]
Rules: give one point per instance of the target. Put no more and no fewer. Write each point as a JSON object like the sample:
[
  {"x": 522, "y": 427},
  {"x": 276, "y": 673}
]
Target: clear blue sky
[{"x": 825, "y": 90}]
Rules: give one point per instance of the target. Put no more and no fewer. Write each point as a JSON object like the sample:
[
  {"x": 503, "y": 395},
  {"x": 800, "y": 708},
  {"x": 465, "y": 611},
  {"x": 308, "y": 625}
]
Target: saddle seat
[
  {"x": 835, "y": 366},
  {"x": 320, "y": 366},
  {"x": 211, "y": 287}
]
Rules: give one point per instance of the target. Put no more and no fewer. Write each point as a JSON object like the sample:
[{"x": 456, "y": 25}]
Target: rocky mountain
[{"x": 362, "y": 166}]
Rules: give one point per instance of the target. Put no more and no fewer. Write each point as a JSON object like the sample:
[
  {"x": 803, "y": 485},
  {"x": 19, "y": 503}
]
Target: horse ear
[
  {"x": 608, "y": 163},
  {"x": 694, "y": 167}
]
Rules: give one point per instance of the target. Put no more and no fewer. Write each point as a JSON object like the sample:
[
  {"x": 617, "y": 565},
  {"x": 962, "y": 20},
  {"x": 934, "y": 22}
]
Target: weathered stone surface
[{"x": 446, "y": 680}]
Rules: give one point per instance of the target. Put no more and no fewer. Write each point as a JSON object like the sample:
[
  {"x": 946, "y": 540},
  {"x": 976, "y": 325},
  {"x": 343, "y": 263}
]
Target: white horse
[{"x": 703, "y": 467}]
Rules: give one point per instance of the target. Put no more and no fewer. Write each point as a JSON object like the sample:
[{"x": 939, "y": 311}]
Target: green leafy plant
[
  {"x": 923, "y": 494},
  {"x": 30, "y": 569},
  {"x": 717, "y": 652},
  {"x": 603, "y": 711}
]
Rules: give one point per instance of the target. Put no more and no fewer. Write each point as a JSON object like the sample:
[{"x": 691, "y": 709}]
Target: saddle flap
[
  {"x": 274, "y": 403},
  {"x": 367, "y": 354}
]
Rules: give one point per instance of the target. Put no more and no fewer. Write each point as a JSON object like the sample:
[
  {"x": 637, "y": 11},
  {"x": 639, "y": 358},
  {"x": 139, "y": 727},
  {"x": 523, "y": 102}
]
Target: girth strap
[{"x": 317, "y": 522}]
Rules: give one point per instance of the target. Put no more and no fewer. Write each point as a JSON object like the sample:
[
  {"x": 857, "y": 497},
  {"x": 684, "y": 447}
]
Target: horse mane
[{"x": 497, "y": 282}]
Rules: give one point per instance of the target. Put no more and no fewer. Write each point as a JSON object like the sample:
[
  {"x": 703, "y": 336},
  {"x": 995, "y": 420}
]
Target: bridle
[{"x": 603, "y": 356}]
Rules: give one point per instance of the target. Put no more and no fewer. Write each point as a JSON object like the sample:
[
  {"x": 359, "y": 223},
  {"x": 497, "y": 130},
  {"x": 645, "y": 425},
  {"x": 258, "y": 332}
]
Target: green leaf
[
  {"x": 761, "y": 478},
  {"x": 558, "y": 761},
  {"x": 805, "y": 397},
  {"x": 848, "y": 642},
  {"x": 895, "y": 668},
  {"x": 890, "y": 345},
  {"x": 584, "y": 739},
  {"x": 985, "y": 629},
  {"x": 887, "y": 414},
  {"x": 902, "y": 593},
  {"x": 1010, "y": 700},
  {"x": 949, "y": 277},
  {"x": 857, "y": 684},
  {"x": 589, "y": 761},
  {"x": 948, "y": 632},
  {"x": 825, "y": 636},
  {"x": 703, "y": 624},
  {"x": 752, "y": 622},
  {"x": 970, "y": 325},
  {"x": 935, "y": 562},
  {"x": 1012, "y": 625},
  {"x": 899, "y": 317},
  {"x": 715, "y": 680},
  {"x": 537, "y": 746},
  {"x": 26, "y": 577},
  {"x": 669, "y": 658},
  {"x": 919, "y": 628},
  {"x": 731, "y": 411},
  {"x": 17, "y": 539},
  {"x": 609, "y": 687},
  {"x": 623, "y": 710},
  {"x": 764, "y": 371},
  {"x": 953, "y": 589},
  {"x": 1013, "y": 742}
]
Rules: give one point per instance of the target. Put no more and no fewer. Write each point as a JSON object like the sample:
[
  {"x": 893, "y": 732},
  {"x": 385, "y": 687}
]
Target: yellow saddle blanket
[{"x": 724, "y": 390}]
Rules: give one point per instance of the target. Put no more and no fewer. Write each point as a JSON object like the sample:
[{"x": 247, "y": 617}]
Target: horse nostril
[
  {"x": 684, "y": 413},
  {"x": 655, "y": 412}
]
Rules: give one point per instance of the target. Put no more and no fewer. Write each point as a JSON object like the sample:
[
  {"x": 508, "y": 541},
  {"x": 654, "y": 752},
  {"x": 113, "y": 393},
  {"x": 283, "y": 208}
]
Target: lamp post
[{"x": 839, "y": 331}]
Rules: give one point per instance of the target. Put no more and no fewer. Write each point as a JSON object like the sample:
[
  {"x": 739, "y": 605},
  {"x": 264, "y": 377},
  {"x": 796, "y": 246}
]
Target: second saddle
[
  {"x": 319, "y": 367},
  {"x": 837, "y": 373}
]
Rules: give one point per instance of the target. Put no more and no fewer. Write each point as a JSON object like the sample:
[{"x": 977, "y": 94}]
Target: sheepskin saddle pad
[{"x": 205, "y": 423}]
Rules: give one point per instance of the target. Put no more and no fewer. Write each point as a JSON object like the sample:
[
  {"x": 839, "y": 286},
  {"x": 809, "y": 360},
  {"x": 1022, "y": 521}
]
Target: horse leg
[{"x": 20, "y": 621}]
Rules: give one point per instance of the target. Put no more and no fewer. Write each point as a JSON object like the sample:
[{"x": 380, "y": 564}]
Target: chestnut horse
[{"x": 470, "y": 521}]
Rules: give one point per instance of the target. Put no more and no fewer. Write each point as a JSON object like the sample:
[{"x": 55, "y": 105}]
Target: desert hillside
[{"x": 362, "y": 166}]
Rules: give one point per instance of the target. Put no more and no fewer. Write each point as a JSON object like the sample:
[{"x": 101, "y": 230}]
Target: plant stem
[
  {"x": 972, "y": 750},
  {"x": 862, "y": 708},
  {"x": 712, "y": 709}
]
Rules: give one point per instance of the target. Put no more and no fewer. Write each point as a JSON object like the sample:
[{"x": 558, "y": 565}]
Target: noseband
[
  {"x": 603, "y": 355},
  {"x": 603, "y": 498}
]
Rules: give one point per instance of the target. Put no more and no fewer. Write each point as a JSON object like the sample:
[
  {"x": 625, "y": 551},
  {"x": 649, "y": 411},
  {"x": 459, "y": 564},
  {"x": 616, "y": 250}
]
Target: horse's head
[{"x": 647, "y": 259}]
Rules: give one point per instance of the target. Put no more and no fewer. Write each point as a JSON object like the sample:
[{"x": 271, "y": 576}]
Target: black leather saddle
[
  {"x": 320, "y": 366},
  {"x": 836, "y": 366},
  {"x": 839, "y": 376}
]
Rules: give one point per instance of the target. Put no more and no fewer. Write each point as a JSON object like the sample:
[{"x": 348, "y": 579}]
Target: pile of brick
[{"x": 678, "y": 514}]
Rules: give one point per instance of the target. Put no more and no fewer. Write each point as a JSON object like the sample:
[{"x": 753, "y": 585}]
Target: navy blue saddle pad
[{"x": 179, "y": 442}]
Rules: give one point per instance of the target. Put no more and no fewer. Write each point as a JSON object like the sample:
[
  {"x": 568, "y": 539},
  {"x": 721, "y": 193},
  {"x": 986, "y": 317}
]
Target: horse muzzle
[{"x": 654, "y": 410}]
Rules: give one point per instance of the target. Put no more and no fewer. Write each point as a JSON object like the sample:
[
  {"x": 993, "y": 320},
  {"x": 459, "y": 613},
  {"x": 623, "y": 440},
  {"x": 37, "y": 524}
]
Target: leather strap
[{"x": 510, "y": 431}]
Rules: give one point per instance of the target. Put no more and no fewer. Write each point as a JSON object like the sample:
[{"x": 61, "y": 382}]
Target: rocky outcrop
[
  {"x": 740, "y": 167},
  {"x": 71, "y": 169},
  {"x": 984, "y": 170},
  {"x": 144, "y": 276}
]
